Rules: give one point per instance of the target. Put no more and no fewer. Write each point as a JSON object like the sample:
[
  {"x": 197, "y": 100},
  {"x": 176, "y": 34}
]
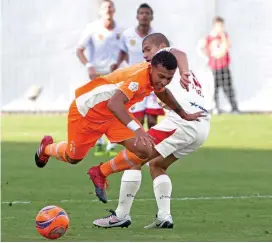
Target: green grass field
[{"x": 236, "y": 161}]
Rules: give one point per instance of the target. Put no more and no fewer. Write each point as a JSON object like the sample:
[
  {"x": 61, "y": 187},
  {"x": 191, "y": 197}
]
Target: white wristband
[
  {"x": 88, "y": 65},
  {"x": 133, "y": 125}
]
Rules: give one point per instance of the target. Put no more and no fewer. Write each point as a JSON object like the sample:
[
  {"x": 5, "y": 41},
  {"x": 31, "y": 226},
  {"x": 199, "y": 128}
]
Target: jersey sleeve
[
  {"x": 130, "y": 88},
  {"x": 86, "y": 36},
  {"x": 123, "y": 45}
]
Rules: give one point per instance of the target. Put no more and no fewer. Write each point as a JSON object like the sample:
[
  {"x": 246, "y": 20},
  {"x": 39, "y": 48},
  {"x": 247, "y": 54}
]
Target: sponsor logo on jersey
[
  {"x": 133, "y": 86},
  {"x": 198, "y": 106},
  {"x": 132, "y": 42},
  {"x": 100, "y": 37}
]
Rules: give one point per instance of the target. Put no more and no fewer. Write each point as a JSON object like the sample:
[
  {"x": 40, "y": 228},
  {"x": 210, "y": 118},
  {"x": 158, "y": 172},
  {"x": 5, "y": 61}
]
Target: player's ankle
[{"x": 163, "y": 215}]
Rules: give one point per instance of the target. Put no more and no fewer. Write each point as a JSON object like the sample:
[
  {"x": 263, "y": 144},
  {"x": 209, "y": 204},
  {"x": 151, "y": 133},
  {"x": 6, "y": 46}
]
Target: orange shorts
[{"x": 83, "y": 132}]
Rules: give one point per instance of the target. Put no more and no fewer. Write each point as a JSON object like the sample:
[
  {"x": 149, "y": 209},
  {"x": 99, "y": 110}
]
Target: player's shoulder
[
  {"x": 152, "y": 31},
  {"x": 139, "y": 72},
  {"x": 129, "y": 32},
  {"x": 92, "y": 26},
  {"x": 119, "y": 28}
]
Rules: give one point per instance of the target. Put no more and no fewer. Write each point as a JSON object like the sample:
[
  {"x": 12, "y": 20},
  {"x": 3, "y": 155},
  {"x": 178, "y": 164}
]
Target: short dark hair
[
  {"x": 166, "y": 59},
  {"x": 218, "y": 19},
  {"x": 157, "y": 39},
  {"x": 145, "y": 5}
]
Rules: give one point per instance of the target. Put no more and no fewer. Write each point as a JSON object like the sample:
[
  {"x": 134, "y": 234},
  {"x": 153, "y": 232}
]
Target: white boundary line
[{"x": 152, "y": 199}]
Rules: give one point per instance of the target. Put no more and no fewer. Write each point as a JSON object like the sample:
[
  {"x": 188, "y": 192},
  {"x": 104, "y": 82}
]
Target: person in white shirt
[
  {"x": 174, "y": 138},
  {"x": 101, "y": 40},
  {"x": 131, "y": 47}
]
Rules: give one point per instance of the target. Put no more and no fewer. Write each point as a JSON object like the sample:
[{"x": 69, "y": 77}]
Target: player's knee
[
  {"x": 156, "y": 166},
  {"x": 156, "y": 170},
  {"x": 72, "y": 161},
  {"x": 144, "y": 152}
]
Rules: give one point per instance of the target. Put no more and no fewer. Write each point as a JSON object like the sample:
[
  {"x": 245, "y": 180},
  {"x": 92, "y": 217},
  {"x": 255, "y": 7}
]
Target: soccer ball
[{"x": 52, "y": 222}]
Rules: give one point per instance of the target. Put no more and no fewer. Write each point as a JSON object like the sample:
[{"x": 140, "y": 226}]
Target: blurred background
[{"x": 39, "y": 41}]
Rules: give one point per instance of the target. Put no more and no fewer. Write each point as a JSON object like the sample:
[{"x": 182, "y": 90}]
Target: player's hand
[
  {"x": 143, "y": 137},
  {"x": 194, "y": 116},
  {"x": 92, "y": 73},
  {"x": 113, "y": 67},
  {"x": 184, "y": 80}
]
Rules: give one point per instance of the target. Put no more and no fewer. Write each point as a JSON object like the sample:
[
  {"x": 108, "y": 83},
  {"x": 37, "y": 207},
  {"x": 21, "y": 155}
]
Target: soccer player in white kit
[
  {"x": 101, "y": 39},
  {"x": 174, "y": 138},
  {"x": 131, "y": 46}
]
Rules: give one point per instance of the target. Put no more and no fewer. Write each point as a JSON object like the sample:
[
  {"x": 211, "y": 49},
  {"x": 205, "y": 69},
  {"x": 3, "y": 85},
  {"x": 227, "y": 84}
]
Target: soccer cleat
[
  {"x": 99, "y": 150},
  {"x": 112, "y": 221},
  {"x": 99, "y": 181},
  {"x": 166, "y": 223},
  {"x": 40, "y": 157}
]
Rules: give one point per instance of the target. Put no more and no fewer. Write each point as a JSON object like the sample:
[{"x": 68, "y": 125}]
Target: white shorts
[
  {"x": 149, "y": 106},
  {"x": 179, "y": 137}
]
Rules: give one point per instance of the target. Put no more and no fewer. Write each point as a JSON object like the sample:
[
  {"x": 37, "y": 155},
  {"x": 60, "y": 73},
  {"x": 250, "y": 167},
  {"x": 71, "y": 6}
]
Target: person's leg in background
[
  {"x": 99, "y": 150},
  {"x": 217, "y": 74},
  {"x": 229, "y": 90},
  {"x": 138, "y": 111},
  {"x": 153, "y": 110}
]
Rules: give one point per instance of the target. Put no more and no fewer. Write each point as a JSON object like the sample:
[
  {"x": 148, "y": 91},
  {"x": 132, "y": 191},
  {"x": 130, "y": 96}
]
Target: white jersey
[
  {"x": 131, "y": 43},
  {"x": 103, "y": 45},
  {"x": 191, "y": 101}
]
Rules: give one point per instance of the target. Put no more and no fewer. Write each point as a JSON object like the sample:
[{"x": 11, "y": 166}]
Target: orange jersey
[{"x": 92, "y": 98}]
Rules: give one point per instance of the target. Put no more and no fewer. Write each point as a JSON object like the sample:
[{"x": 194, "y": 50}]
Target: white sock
[
  {"x": 130, "y": 184},
  {"x": 162, "y": 189},
  {"x": 110, "y": 146},
  {"x": 100, "y": 141}
]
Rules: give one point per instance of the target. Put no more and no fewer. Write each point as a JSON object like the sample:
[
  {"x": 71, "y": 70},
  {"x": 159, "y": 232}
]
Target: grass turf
[{"x": 235, "y": 161}]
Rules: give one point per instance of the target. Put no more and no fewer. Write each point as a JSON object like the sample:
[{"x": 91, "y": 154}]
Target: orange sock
[
  {"x": 123, "y": 161},
  {"x": 57, "y": 150}
]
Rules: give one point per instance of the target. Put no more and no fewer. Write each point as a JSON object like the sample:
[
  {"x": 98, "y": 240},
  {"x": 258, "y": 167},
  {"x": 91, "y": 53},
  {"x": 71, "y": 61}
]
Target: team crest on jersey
[
  {"x": 118, "y": 35},
  {"x": 132, "y": 42},
  {"x": 100, "y": 37},
  {"x": 133, "y": 86}
]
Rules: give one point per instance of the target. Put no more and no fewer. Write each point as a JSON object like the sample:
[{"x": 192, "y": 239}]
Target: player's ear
[{"x": 162, "y": 45}]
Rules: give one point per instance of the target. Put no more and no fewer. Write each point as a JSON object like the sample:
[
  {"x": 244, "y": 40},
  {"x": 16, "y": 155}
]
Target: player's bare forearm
[
  {"x": 168, "y": 98},
  {"x": 182, "y": 60},
  {"x": 117, "y": 106},
  {"x": 81, "y": 56}
]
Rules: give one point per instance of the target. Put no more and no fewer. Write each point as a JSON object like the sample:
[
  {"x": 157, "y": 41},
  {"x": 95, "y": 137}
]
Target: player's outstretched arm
[
  {"x": 117, "y": 106},
  {"x": 183, "y": 67},
  {"x": 168, "y": 98}
]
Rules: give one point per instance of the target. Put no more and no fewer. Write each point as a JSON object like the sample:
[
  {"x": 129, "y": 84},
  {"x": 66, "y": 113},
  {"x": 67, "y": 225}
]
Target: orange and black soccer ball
[{"x": 52, "y": 222}]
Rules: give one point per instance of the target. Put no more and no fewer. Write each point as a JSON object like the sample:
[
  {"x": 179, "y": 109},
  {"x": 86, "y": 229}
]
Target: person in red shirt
[{"x": 215, "y": 49}]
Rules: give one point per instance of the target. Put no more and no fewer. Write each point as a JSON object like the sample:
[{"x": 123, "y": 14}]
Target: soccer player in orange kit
[{"x": 101, "y": 107}]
